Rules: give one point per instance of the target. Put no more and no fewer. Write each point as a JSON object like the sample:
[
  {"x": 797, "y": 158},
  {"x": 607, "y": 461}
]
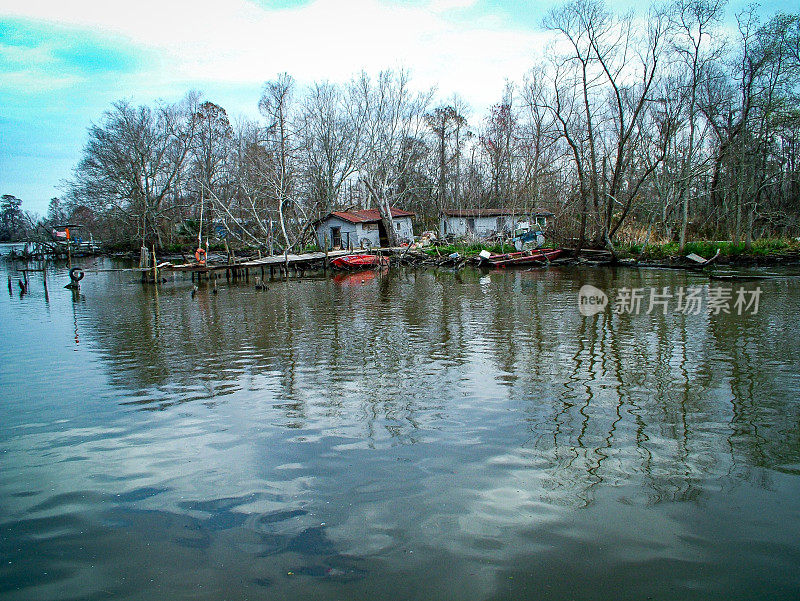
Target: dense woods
[{"x": 666, "y": 126}]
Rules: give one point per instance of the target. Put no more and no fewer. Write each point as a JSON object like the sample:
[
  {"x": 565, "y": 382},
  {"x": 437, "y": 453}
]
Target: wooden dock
[
  {"x": 273, "y": 261},
  {"x": 241, "y": 269}
]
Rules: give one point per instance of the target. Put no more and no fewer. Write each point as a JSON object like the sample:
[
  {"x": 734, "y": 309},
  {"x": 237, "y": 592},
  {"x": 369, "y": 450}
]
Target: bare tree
[
  {"x": 131, "y": 165},
  {"x": 538, "y": 144},
  {"x": 275, "y": 106},
  {"x": 447, "y": 125},
  {"x": 613, "y": 66},
  {"x": 693, "y": 22},
  {"x": 498, "y": 142},
  {"x": 394, "y": 118},
  {"x": 333, "y": 121}
]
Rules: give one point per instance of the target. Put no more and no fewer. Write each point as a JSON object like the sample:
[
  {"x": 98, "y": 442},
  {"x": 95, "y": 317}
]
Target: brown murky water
[{"x": 422, "y": 435}]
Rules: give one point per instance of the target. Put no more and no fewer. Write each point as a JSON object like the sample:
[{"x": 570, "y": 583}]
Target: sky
[{"x": 62, "y": 63}]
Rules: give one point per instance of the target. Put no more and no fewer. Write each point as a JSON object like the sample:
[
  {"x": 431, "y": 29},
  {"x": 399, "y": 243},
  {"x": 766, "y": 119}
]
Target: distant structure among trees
[{"x": 630, "y": 129}]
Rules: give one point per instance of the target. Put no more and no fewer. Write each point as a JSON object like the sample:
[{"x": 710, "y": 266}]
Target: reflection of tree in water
[
  {"x": 642, "y": 400},
  {"x": 300, "y": 342},
  {"x": 610, "y": 399},
  {"x": 763, "y": 417}
]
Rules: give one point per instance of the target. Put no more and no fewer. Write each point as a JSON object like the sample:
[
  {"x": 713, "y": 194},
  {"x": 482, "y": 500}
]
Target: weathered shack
[
  {"x": 484, "y": 223},
  {"x": 360, "y": 229}
]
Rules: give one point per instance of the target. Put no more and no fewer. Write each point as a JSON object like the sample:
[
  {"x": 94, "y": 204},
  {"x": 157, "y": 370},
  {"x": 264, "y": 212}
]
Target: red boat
[
  {"x": 359, "y": 261},
  {"x": 526, "y": 257}
]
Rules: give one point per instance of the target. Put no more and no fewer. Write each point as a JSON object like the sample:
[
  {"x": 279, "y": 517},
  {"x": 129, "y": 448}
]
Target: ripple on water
[{"x": 425, "y": 434}]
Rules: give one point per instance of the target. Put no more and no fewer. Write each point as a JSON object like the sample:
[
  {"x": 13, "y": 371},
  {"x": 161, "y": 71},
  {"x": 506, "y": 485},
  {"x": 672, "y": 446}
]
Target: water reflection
[{"x": 401, "y": 435}]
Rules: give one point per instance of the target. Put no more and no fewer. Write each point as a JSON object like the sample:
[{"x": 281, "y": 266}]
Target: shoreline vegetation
[{"x": 763, "y": 253}]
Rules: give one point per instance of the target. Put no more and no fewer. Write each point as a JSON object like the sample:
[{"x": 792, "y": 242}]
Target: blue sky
[{"x": 63, "y": 63}]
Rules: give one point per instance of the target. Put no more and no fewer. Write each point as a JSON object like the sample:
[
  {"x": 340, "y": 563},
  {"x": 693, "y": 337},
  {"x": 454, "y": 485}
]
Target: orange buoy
[{"x": 200, "y": 253}]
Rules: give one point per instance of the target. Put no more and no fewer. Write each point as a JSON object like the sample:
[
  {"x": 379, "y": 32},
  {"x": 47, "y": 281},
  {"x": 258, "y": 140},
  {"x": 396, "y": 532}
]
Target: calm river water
[{"x": 423, "y": 435}]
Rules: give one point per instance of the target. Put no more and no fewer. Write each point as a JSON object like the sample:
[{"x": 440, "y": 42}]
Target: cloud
[
  {"x": 241, "y": 42},
  {"x": 447, "y": 5},
  {"x": 37, "y": 58}
]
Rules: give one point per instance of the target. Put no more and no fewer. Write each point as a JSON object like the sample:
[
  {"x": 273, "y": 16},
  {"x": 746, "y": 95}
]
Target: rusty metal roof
[
  {"x": 503, "y": 212},
  {"x": 366, "y": 215}
]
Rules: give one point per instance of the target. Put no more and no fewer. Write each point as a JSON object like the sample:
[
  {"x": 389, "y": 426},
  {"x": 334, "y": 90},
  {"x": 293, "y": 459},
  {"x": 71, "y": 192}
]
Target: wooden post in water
[{"x": 144, "y": 262}]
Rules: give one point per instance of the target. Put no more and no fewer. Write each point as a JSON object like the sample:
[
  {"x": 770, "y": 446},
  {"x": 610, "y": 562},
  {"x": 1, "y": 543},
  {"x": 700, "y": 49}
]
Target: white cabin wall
[
  {"x": 363, "y": 232},
  {"x": 405, "y": 231},
  {"x": 369, "y": 237},
  {"x": 324, "y": 229},
  {"x": 484, "y": 226}
]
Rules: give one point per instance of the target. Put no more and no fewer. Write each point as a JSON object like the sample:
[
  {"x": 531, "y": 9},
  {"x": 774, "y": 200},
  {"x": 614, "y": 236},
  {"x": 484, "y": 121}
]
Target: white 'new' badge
[{"x": 591, "y": 300}]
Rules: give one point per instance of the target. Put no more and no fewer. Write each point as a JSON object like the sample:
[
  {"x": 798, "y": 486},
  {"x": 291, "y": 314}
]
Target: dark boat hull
[{"x": 528, "y": 257}]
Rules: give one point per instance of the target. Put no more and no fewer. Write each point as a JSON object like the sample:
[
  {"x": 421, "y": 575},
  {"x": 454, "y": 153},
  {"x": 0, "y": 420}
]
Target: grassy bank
[
  {"x": 707, "y": 248},
  {"x": 665, "y": 250}
]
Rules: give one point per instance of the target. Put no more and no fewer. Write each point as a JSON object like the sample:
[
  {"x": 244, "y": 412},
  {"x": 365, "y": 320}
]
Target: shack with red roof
[{"x": 361, "y": 228}]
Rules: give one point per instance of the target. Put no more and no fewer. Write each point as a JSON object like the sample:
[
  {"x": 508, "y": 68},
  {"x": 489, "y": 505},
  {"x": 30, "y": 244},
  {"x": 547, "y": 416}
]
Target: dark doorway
[
  {"x": 471, "y": 225},
  {"x": 336, "y": 237},
  {"x": 382, "y": 237}
]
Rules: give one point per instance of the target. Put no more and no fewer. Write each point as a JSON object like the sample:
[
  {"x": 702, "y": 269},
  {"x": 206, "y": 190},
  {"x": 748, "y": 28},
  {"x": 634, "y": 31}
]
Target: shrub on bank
[{"x": 469, "y": 250}]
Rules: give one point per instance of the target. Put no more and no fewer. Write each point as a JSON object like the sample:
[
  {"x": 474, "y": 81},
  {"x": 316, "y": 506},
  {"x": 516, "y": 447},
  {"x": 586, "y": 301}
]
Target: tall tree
[
  {"x": 447, "y": 125},
  {"x": 692, "y": 22},
  {"x": 332, "y": 126},
  {"x": 12, "y": 219},
  {"x": 56, "y": 212},
  {"x": 499, "y": 143},
  {"x": 276, "y": 106},
  {"x": 611, "y": 67},
  {"x": 132, "y": 163},
  {"x": 211, "y": 153},
  {"x": 394, "y": 119}
]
